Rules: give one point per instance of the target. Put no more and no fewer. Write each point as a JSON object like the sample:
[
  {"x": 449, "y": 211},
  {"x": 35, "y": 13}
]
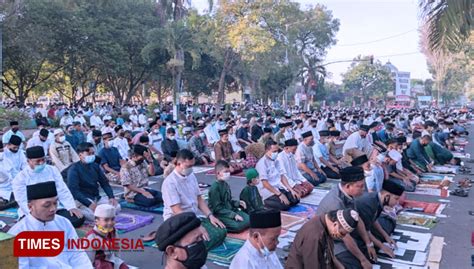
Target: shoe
[{"x": 460, "y": 192}]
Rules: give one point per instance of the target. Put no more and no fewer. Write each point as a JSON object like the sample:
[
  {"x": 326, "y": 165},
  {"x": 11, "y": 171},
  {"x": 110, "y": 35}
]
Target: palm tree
[{"x": 449, "y": 22}]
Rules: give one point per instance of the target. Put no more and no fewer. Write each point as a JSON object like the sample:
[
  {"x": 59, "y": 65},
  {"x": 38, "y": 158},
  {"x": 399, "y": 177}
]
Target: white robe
[
  {"x": 5, "y": 181},
  {"x": 65, "y": 260},
  {"x": 249, "y": 257},
  {"x": 28, "y": 177},
  {"x": 14, "y": 162}
]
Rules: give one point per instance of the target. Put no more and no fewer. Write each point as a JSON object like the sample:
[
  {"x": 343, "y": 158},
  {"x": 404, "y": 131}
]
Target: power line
[
  {"x": 377, "y": 40},
  {"x": 375, "y": 56}
]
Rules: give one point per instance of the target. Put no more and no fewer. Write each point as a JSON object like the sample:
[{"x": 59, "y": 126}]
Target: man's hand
[
  {"x": 117, "y": 173},
  {"x": 313, "y": 175},
  {"x": 147, "y": 195},
  {"x": 335, "y": 169},
  {"x": 372, "y": 253},
  {"x": 76, "y": 212},
  {"x": 391, "y": 242},
  {"x": 295, "y": 194},
  {"x": 216, "y": 222},
  {"x": 113, "y": 202},
  {"x": 388, "y": 251},
  {"x": 238, "y": 218},
  {"x": 93, "y": 206},
  {"x": 366, "y": 264},
  {"x": 205, "y": 160},
  {"x": 205, "y": 235},
  {"x": 283, "y": 199},
  {"x": 243, "y": 204}
]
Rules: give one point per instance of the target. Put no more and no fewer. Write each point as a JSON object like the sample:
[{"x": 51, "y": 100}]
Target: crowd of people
[{"x": 61, "y": 177}]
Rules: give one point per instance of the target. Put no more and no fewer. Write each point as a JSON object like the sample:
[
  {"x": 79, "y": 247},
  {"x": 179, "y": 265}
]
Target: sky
[{"x": 386, "y": 29}]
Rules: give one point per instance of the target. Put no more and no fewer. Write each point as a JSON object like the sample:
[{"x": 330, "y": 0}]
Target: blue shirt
[
  {"x": 120, "y": 121},
  {"x": 110, "y": 156},
  {"x": 6, "y": 137},
  {"x": 83, "y": 181}
]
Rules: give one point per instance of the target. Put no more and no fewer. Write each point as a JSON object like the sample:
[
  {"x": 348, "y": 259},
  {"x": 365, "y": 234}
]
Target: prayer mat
[
  {"x": 153, "y": 209},
  {"x": 406, "y": 256},
  {"x": 202, "y": 169},
  {"x": 411, "y": 240},
  {"x": 84, "y": 229},
  {"x": 445, "y": 169},
  {"x": 436, "y": 252},
  {"x": 432, "y": 191},
  {"x": 326, "y": 185},
  {"x": 472, "y": 239},
  {"x": 416, "y": 220},
  {"x": 224, "y": 253},
  {"x": 151, "y": 244},
  {"x": 285, "y": 240},
  {"x": 288, "y": 221},
  {"x": 129, "y": 222},
  {"x": 116, "y": 189},
  {"x": 425, "y": 207},
  {"x": 387, "y": 264},
  {"x": 240, "y": 174},
  {"x": 9, "y": 213},
  {"x": 244, "y": 235},
  {"x": 315, "y": 197},
  {"x": 306, "y": 211},
  {"x": 436, "y": 177}
]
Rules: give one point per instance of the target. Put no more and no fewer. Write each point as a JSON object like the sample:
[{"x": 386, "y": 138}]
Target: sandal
[
  {"x": 149, "y": 237},
  {"x": 203, "y": 185},
  {"x": 460, "y": 192}
]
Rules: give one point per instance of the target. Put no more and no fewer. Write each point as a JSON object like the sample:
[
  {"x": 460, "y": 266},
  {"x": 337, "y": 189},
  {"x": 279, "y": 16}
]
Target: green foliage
[
  {"x": 367, "y": 81},
  {"x": 7, "y": 115}
]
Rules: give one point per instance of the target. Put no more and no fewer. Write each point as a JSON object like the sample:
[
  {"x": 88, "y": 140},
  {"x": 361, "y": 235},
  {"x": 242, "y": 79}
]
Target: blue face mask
[
  {"x": 274, "y": 155},
  {"x": 89, "y": 159},
  {"x": 39, "y": 168}
]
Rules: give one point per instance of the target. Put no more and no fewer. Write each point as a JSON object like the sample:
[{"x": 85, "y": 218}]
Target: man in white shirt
[
  {"x": 258, "y": 252},
  {"x": 40, "y": 140},
  {"x": 96, "y": 121},
  {"x": 66, "y": 120},
  {"x": 211, "y": 133},
  {"x": 80, "y": 118},
  {"x": 42, "y": 205},
  {"x": 121, "y": 143},
  {"x": 134, "y": 117},
  {"x": 142, "y": 120},
  {"x": 14, "y": 130},
  {"x": 14, "y": 159},
  {"x": 181, "y": 194},
  {"x": 357, "y": 141},
  {"x": 286, "y": 161},
  {"x": 274, "y": 188},
  {"x": 306, "y": 162},
  {"x": 321, "y": 155},
  {"x": 38, "y": 171}
]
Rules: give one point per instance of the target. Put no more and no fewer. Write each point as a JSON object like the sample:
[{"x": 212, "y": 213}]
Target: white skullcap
[
  {"x": 58, "y": 131},
  {"x": 104, "y": 211}
]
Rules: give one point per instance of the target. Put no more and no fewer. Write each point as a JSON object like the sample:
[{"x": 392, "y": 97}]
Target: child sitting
[
  {"x": 250, "y": 194},
  {"x": 104, "y": 229},
  {"x": 221, "y": 203}
]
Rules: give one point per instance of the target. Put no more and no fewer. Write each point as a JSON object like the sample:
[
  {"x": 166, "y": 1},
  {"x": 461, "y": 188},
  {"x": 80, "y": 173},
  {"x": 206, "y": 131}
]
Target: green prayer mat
[{"x": 224, "y": 253}]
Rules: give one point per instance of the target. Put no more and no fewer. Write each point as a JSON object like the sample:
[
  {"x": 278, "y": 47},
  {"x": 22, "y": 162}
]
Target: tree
[
  {"x": 367, "y": 81},
  {"x": 449, "y": 23},
  {"x": 32, "y": 52}
]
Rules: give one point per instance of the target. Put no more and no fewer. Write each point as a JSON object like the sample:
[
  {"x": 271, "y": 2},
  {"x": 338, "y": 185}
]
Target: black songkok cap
[
  {"x": 265, "y": 219},
  {"x": 35, "y": 152},
  {"x": 359, "y": 160},
  {"x": 352, "y": 174},
  {"x": 393, "y": 187},
  {"x": 291, "y": 143},
  {"x": 41, "y": 190},
  {"x": 307, "y": 134},
  {"x": 175, "y": 228},
  {"x": 15, "y": 140}
]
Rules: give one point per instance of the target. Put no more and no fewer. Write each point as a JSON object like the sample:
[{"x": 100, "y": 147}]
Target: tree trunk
[{"x": 221, "y": 88}]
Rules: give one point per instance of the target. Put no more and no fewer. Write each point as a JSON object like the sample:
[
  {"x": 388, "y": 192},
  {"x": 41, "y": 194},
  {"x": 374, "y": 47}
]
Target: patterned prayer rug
[
  {"x": 287, "y": 220},
  {"x": 306, "y": 211},
  {"x": 416, "y": 220},
  {"x": 9, "y": 213},
  {"x": 126, "y": 222},
  {"x": 224, "y": 253},
  {"x": 153, "y": 209}
]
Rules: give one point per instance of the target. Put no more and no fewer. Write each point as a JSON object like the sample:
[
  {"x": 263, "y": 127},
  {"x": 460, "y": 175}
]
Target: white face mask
[
  {"x": 226, "y": 176},
  {"x": 188, "y": 171},
  {"x": 62, "y": 139},
  {"x": 156, "y": 131},
  {"x": 171, "y": 137}
]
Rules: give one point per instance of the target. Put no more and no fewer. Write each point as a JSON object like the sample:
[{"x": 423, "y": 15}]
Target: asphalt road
[{"x": 456, "y": 228}]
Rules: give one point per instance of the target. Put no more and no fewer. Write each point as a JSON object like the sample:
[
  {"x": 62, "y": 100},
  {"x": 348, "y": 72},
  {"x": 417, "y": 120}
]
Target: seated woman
[
  {"x": 221, "y": 204},
  {"x": 223, "y": 151},
  {"x": 134, "y": 177}
]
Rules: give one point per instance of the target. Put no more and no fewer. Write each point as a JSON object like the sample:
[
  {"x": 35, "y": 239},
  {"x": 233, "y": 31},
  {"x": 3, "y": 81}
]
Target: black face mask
[
  {"x": 14, "y": 130},
  {"x": 43, "y": 140},
  {"x": 14, "y": 151},
  {"x": 386, "y": 201},
  {"x": 138, "y": 162},
  {"x": 197, "y": 255}
]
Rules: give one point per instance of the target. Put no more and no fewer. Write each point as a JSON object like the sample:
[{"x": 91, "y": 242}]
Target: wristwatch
[
  {"x": 371, "y": 245},
  {"x": 209, "y": 215}
]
